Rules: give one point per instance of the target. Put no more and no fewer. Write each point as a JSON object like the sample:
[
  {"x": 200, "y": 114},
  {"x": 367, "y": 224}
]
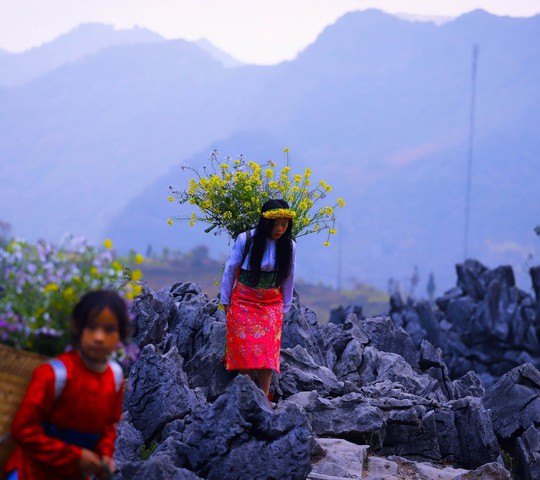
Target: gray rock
[
  {"x": 472, "y": 278},
  {"x": 361, "y": 380},
  {"x": 159, "y": 391},
  {"x": 411, "y": 432},
  {"x": 348, "y": 366},
  {"x": 384, "y": 336},
  {"x": 528, "y": 453},
  {"x": 299, "y": 328},
  {"x": 151, "y": 312},
  {"x": 240, "y": 437},
  {"x": 299, "y": 372},
  {"x": 514, "y": 401},
  {"x": 443, "y": 301},
  {"x": 469, "y": 385},
  {"x": 158, "y": 467},
  {"x": 379, "y": 366},
  {"x": 340, "y": 458},
  {"x": 489, "y": 471},
  {"x": 338, "y": 315},
  {"x": 535, "y": 277},
  {"x": 128, "y": 441},
  {"x": 460, "y": 310},
  {"x": 206, "y": 368},
  {"x": 475, "y": 432},
  {"x": 349, "y": 417}
]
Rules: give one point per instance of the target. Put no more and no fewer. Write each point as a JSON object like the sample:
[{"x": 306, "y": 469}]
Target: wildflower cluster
[
  {"x": 41, "y": 283},
  {"x": 229, "y": 194}
]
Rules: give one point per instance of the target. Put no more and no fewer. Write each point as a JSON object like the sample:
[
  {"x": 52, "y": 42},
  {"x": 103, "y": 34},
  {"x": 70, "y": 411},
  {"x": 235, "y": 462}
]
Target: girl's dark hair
[
  {"x": 284, "y": 245},
  {"x": 92, "y": 303}
]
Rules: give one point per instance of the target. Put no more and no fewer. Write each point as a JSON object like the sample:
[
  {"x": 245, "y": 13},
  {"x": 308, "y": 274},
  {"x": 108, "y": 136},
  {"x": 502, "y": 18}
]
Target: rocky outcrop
[
  {"x": 485, "y": 324},
  {"x": 362, "y": 381}
]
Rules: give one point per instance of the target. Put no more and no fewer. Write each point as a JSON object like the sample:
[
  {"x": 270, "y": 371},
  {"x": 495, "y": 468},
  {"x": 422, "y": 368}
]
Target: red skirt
[{"x": 254, "y": 323}]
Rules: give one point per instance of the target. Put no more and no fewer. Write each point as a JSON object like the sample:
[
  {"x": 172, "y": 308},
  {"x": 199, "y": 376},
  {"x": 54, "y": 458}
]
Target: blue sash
[{"x": 73, "y": 437}]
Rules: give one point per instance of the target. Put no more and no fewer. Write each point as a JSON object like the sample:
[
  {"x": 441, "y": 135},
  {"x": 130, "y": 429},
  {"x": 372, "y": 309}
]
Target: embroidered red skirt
[{"x": 254, "y": 323}]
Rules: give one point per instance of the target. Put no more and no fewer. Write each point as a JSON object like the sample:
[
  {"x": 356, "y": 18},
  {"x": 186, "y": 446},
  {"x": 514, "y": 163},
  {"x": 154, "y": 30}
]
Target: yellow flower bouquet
[{"x": 229, "y": 193}]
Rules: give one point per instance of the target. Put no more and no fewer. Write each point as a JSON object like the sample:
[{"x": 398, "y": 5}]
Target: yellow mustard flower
[
  {"x": 332, "y": 231},
  {"x": 139, "y": 259},
  {"x": 269, "y": 173},
  {"x": 50, "y": 287},
  {"x": 170, "y": 198},
  {"x": 137, "y": 290},
  {"x": 107, "y": 243},
  {"x": 169, "y": 221},
  {"x": 68, "y": 293},
  {"x": 286, "y": 150},
  {"x": 136, "y": 275},
  {"x": 326, "y": 244},
  {"x": 340, "y": 202},
  {"x": 117, "y": 266}
]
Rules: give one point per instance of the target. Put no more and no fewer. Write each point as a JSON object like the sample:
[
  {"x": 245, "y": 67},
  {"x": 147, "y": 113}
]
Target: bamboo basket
[{"x": 16, "y": 367}]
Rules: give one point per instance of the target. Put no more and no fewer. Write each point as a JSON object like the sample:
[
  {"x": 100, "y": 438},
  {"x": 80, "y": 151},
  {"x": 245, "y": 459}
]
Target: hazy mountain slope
[
  {"x": 399, "y": 156},
  {"x": 98, "y": 131},
  {"x": 377, "y": 106},
  {"x": 224, "y": 58},
  {"x": 87, "y": 39}
]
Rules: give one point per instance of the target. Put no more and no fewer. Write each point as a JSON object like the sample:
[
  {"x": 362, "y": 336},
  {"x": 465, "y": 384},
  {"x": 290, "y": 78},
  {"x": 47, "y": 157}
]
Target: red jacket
[{"x": 89, "y": 403}]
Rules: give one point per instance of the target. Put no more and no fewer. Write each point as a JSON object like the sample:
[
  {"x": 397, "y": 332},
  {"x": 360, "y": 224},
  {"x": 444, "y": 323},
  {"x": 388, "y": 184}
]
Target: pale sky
[{"x": 253, "y": 31}]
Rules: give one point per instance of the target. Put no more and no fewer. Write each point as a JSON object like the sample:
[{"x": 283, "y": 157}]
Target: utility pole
[
  {"x": 339, "y": 263},
  {"x": 470, "y": 153}
]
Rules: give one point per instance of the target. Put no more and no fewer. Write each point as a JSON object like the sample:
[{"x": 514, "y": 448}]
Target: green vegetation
[
  {"x": 146, "y": 452},
  {"x": 509, "y": 461}
]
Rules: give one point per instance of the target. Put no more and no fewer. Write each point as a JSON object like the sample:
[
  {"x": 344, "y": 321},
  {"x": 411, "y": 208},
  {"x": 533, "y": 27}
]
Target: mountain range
[{"x": 93, "y": 133}]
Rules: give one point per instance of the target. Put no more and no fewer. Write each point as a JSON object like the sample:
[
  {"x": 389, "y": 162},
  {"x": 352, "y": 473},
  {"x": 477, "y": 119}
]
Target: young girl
[
  {"x": 65, "y": 427},
  {"x": 256, "y": 291}
]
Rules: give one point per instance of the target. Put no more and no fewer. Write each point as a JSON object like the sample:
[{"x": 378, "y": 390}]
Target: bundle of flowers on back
[{"x": 229, "y": 194}]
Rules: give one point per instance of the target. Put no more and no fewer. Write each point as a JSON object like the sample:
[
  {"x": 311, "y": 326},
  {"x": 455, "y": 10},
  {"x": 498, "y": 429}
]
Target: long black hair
[{"x": 284, "y": 245}]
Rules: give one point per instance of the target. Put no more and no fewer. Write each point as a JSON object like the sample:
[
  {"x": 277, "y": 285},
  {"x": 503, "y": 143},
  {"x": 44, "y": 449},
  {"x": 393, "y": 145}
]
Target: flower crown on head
[{"x": 279, "y": 213}]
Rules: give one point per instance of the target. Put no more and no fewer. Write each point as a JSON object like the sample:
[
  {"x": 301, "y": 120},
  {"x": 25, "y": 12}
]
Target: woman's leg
[{"x": 265, "y": 378}]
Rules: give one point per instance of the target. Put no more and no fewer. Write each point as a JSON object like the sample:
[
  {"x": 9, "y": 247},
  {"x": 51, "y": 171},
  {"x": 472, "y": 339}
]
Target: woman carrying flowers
[{"x": 256, "y": 291}]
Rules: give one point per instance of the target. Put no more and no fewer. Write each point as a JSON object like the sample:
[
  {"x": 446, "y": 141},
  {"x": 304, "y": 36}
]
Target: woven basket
[{"x": 16, "y": 367}]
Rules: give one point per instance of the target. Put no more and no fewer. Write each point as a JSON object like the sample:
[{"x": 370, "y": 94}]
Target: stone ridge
[{"x": 354, "y": 398}]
